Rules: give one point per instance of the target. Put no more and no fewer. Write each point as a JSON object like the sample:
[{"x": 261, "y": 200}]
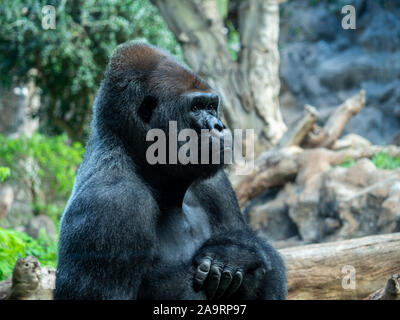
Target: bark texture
[{"x": 324, "y": 271}]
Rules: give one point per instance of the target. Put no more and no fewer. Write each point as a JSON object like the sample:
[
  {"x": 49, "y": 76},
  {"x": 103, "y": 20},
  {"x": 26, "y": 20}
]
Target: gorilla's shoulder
[{"x": 112, "y": 189}]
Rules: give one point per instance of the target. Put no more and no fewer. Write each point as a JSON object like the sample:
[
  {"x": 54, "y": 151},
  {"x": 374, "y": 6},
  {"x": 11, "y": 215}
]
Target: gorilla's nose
[{"x": 215, "y": 124}]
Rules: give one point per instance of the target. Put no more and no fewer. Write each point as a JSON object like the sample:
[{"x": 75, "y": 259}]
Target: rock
[
  {"x": 6, "y": 199},
  {"x": 396, "y": 139},
  {"x": 364, "y": 199},
  {"x": 322, "y": 64},
  {"x": 5, "y": 288},
  {"x": 41, "y": 222},
  {"x": 340, "y": 203},
  {"x": 20, "y": 212},
  {"x": 304, "y": 208},
  {"x": 30, "y": 281},
  {"x": 361, "y": 174},
  {"x": 271, "y": 220}
]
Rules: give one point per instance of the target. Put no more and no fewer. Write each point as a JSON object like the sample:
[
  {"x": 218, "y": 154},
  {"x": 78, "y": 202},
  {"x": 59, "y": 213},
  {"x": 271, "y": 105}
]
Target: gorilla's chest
[{"x": 181, "y": 232}]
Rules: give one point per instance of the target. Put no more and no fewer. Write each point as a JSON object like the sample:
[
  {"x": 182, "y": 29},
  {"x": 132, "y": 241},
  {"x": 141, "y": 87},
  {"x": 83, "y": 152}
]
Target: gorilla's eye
[
  {"x": 195, "y": 108},
  {"x": 147, "y": 107}
]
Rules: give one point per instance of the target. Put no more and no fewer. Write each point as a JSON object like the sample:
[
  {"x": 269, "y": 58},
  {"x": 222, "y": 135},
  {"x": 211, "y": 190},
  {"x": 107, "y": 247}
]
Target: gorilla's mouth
[
  {"x": 218, "y": 143},
  {"x": 189, "y": 147}
]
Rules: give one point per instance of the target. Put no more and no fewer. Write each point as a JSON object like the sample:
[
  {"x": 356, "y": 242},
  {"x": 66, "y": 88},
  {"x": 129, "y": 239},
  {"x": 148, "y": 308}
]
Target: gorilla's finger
[
  {"x": 202, "y": 273},
  {"x": 212, "y": 282},
  {"x": 235, "y": 284},
  {"x": 226, "y": 279}
]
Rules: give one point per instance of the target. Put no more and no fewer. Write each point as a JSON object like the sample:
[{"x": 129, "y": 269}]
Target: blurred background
[{"x": 290, "y": 70}]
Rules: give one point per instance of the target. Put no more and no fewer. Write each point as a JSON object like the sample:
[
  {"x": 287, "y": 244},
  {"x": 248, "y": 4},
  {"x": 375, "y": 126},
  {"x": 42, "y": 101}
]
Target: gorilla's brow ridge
[{"x": 163, "y": 71}]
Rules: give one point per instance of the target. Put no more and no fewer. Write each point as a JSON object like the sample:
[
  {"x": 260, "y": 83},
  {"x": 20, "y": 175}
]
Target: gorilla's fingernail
[{"x": 204, "y": 268}]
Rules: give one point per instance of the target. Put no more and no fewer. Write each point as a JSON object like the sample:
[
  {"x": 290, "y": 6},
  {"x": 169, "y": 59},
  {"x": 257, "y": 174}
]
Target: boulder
[
  {"x": 30, "y": 281},
  {"x": 363, "y": 198},
  {"x": 6, "y": 199},
  {"x": 271, "y": 220},
  {"x": 41, "y": 222},
  {"x": 322, "y": 64},
  {"x": 334, "y": 204}
]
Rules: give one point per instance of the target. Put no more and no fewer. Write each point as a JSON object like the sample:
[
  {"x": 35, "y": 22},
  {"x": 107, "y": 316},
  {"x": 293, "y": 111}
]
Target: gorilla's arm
[
  {"x": 107, "y": 247},
  {"x": 235, "y": 248},
  {"x": 218, "y": 199},
  {"x": 171, "y": 282}
]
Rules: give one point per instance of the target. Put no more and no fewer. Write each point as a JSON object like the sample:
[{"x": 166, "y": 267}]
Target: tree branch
[
  {"x": 327, "y": 136},
  {"x": 278, "y": 166}
]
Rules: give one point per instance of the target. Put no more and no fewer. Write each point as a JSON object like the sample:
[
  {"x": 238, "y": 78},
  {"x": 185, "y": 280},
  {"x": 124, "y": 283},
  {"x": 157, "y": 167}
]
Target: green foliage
[
  {"x": 222, "y": 6},
  {"x": 15, "y": 245},
  {"x": 4, "y": 173},
  {"x": 45, "y": 166},
  {"x": 381, "y": 160},
  {"x": 70, "y": 60},
  {"x": 348, "y": 163},
  {"x": 233, "y": 40}
]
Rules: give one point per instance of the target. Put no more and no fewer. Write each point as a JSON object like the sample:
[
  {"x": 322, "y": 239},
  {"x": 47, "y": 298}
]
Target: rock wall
[{"x": 322, "y": 64}]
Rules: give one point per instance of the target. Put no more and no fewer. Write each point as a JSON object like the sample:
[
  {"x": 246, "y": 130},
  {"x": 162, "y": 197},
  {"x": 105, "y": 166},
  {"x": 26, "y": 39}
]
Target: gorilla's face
[
  {"x": 197, "y": 142},
  {"x": 146, "y": 89}
]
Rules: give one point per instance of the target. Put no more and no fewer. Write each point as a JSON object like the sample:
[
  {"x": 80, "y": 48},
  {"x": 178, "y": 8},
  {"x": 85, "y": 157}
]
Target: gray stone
[
  {"x": 271, "y": 219},
  {"x": 323, "y": 64},
  {"x": 6, "y": 199},
  {"x": 41, "y": 222}
]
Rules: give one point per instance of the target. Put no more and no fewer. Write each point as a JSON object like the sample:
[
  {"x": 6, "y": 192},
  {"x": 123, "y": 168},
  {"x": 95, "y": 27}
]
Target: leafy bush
[
  {"x": 15, "y": 245},
  {"x": 384, "y": 161},
  {"x": 381, "y": 160},
  {"x": 4, "y": 173},
  {"x": 70, "y": 59},
  {"x": 45, "y": 167}
]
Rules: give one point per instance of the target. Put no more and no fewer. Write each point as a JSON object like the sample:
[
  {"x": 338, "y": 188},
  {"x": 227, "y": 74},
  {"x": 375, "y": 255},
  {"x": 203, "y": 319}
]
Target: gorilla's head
[{"x": 145, "y": 88}]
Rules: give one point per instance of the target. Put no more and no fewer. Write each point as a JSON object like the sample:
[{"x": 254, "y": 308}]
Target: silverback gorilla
[{"x": 132, "y": 230}]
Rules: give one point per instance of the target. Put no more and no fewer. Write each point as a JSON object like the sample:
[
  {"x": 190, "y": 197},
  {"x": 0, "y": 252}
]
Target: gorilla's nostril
[{"x": 219, "y": 126}]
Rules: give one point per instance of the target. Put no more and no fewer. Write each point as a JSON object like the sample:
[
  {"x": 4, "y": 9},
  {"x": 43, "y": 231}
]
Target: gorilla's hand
[{"x": 228, "y": 265}]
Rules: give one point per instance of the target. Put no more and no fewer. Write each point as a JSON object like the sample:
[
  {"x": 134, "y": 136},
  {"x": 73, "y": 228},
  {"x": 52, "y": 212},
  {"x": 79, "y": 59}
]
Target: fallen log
[
  {"x": 296, "y": 134},
  {"x": 348, "y": 269},
  {"x": 274, "y": 168}
]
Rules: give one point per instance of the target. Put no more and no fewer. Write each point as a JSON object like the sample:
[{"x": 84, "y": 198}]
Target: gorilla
[{"x": 134, "y": 230}]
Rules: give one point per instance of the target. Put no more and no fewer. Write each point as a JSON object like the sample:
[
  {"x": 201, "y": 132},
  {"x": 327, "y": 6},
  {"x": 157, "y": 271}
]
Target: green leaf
[{"x": 4, "y": 173}]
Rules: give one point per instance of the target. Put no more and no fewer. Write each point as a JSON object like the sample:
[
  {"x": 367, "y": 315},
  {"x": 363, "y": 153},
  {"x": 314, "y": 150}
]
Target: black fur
[{"x": 135, "y": 231}]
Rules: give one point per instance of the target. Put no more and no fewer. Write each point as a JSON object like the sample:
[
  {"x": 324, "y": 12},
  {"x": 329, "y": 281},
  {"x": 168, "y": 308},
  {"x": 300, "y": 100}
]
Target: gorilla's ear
[{"x": 146, "y": 108}]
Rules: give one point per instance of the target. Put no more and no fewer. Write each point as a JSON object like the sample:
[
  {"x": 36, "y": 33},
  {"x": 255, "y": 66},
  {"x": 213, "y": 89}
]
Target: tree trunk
[{"x": 249, "y": 86}]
